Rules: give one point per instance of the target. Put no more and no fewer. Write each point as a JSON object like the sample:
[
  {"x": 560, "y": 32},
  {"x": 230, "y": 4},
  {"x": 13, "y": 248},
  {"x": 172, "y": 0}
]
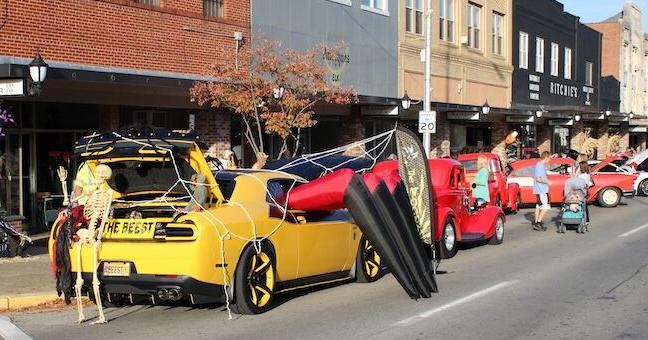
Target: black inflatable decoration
[{"x": 364, "y": 211}]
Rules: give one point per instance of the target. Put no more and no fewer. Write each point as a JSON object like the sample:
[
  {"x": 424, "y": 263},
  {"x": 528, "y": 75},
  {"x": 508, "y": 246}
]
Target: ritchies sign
[{"x": 563, "y": 90}]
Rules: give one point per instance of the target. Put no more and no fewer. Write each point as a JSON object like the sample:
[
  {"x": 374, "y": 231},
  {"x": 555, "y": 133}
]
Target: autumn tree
[{"x": 275, "y": 90}]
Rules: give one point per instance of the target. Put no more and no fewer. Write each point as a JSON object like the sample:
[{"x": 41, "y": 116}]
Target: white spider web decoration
[{"x": 380, "y": 144}]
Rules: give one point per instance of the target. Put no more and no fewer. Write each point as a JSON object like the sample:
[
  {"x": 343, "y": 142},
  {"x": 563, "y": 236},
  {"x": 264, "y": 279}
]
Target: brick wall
[
  {"x": 214, "y": 130},
  {"x": 543, "y": 138},
  {"x": 121, "y": 33},
  {"x": 611, "y": 47},
  {"x": 440, "y": 141},
  {"x": 498, "y": 136}
]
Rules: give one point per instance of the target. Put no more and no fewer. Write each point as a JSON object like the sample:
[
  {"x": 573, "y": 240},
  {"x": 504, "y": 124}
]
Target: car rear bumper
[{"x": 148, "y": 286}]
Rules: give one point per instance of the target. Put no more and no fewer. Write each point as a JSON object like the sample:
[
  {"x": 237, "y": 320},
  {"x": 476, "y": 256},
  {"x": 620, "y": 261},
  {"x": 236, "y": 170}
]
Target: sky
[{"x": 598, "y": 10}]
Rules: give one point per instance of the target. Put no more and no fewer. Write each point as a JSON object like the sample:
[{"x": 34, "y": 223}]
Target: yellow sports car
[{"x": 238, "y": 244}]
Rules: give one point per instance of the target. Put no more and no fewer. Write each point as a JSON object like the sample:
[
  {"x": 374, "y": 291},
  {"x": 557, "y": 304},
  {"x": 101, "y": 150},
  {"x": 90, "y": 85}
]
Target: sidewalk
[{"x": 26, "y": 282}]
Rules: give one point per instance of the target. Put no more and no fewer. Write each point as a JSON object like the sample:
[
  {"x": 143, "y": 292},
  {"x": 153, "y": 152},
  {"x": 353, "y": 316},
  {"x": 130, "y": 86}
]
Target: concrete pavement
[{"x": 535, "y": 285}]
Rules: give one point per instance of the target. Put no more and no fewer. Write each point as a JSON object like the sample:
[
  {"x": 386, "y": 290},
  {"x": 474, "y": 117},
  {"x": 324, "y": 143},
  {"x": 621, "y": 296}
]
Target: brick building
[
  {"x": 470, "y": 65},
  {"x": 625, "y": 71},
  {"x": 111, "y": 63}
]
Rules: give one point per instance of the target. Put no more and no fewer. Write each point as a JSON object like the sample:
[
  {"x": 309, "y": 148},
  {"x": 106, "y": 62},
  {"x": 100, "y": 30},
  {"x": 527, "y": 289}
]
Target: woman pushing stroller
[{"x": 575, "y": 210}]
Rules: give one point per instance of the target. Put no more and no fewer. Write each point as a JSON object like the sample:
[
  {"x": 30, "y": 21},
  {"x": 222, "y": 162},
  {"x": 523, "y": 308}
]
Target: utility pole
[{"x": 427, "y": 100}]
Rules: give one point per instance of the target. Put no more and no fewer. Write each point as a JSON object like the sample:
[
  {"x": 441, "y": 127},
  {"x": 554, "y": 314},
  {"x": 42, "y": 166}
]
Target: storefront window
[{"x": 560, "y": 139}]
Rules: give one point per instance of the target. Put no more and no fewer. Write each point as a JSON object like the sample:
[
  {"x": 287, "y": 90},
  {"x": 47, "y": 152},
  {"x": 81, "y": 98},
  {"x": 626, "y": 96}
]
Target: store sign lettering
[
  {"x": 336, "y": 62},
  {"x": 563, "y": 90},
  {"x": 12, "y": 87}
]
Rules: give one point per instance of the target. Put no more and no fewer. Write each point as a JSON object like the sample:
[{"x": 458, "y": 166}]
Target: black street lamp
[
  {"x": 37, "y": 73},
  {"x": 486, "y": 108},
  {"x": 406, "y": 102},
  {"x": 631, "y": 115}
]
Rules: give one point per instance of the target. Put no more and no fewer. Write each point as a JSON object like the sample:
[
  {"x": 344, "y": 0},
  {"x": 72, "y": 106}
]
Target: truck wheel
[
  {"x": 609, "y": 197},
  {"x": 448, "y": 243}
]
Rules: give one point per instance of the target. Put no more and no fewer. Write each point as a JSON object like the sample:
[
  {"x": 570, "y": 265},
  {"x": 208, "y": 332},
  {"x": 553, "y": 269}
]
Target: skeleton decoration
[
  {"x": 96, "y": 211},
  {"x": 62, "y": 174}
]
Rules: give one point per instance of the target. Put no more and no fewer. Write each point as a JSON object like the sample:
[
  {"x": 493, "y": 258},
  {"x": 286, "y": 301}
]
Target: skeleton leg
[
  {"x": 79, "y": 283},
  {"x": 95, "y": 283}
]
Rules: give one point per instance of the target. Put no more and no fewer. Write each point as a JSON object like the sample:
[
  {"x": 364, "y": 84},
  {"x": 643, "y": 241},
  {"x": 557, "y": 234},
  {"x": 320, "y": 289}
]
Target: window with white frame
[
  {"x": 377, "y": 4},
  {"x": 555, "y": 58},
  {"x": 213, "y": 8},
  {"x": 474, "y": 25},
  {"x": 149, "y": 2},
  {"x": 446, "y": 20},
  {"x": 414, "y": 16},
  {"x": 589, "y": 73},
  {"x": 539, "y": 67},
  {"x": 524, "y": 51},
  {"x": 568, "y": 63},
  {"x": 497, "y": 33}
]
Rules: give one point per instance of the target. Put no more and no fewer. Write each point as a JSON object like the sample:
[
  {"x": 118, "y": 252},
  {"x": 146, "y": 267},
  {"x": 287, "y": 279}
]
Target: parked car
[
  {"x": 502, "y": 193},
  {"x": 151, "y": 253},
  {"x": 607, "y": 190},
  {"x": 455, "y": 220},
  {"x": 636, "y": 164}
]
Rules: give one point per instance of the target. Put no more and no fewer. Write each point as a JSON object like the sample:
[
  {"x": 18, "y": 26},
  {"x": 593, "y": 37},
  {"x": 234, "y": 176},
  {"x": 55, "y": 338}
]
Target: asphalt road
[{"x": 536, "y": 285}]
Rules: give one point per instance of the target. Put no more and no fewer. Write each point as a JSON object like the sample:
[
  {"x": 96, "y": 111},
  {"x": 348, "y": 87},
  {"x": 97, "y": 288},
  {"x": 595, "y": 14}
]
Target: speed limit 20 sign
[{"x": 427, "y": 122}]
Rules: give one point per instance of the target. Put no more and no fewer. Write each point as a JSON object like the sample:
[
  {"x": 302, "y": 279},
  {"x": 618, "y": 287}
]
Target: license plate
[{"x": 116, "y": 269}]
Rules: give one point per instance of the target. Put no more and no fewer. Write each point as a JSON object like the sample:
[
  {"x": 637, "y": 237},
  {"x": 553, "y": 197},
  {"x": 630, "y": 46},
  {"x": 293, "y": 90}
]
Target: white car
[{"x": 637, "y": 164}]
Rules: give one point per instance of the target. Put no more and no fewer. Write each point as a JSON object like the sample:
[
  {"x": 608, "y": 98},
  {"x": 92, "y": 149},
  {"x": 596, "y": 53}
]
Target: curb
[{"x": 9, "y": 303}]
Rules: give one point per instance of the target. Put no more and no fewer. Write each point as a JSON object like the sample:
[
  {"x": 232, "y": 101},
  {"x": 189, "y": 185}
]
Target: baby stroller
[{"x": 573, "y": 213}]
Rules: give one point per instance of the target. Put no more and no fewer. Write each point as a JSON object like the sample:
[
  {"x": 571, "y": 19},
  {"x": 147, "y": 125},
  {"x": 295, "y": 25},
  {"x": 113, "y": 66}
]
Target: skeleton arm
[{"x": 62, "y": 174}]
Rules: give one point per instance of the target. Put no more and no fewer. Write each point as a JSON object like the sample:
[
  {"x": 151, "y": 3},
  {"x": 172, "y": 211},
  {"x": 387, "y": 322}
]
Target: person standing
[
  {"x": 587, "y": 178},
  {"x": 480, "y": 182},
  {"x": 541, "y": 190}
]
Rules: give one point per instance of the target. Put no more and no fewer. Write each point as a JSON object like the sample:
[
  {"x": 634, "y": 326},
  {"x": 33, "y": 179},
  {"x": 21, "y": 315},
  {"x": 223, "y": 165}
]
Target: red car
[
  {"x": 607, "y": 190},
  {"x": 455, "y": 221},
  {"x": 502, "y": 193}
]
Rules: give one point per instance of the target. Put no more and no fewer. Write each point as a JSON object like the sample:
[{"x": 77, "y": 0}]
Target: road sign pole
[{"x": 427, "y": 101}]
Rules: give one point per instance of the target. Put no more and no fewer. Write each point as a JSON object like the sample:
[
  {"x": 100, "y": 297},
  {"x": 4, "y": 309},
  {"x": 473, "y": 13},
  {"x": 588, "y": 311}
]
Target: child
[{"x": 572, "y": 198}]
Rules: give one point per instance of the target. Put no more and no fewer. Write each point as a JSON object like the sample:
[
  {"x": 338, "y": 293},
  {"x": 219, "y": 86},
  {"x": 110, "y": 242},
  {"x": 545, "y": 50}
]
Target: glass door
[{"x": 14, "y": 175}]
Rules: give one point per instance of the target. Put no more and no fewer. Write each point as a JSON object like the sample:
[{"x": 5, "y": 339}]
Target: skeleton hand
[{"x": 62, "y": 173}]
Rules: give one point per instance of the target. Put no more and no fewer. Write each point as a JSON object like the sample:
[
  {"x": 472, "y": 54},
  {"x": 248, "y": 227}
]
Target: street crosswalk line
[
  {"x": 9, "y": 331},
  {"x": 455, "y": 303},
  {"x": 626, "y": 234}
]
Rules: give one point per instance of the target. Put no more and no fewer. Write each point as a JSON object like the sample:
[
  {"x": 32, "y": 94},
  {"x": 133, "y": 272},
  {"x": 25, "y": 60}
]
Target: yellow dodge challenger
[{"x": 242, "y": 246}]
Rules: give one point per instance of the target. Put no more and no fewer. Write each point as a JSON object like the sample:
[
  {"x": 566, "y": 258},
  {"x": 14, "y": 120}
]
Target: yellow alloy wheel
[
  {"x": 261, "y": 279},
  {"x": 372, "y": 260}
]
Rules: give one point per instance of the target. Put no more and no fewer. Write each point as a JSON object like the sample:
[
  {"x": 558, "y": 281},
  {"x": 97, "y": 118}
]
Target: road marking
[
  {"x": 626, "y": 234},
  {"x": 455, "y": 303},
  {"x": 9, "y": 331}
]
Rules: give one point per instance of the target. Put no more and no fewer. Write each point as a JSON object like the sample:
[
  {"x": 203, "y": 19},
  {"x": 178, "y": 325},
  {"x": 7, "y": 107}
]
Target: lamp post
[
  {"x": 427, "y": 100},
  {"x": 631, "y": 115},
  {"x": 577, "y": 117},
  {"x": 538, "y": 113},
  {"x": 37, "y": 73},
  {"x": 486, "y": 108}
]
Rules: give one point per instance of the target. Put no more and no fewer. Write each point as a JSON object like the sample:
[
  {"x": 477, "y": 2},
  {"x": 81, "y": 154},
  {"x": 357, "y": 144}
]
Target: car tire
[
  {"x": 609, "y": 197},
  {"x": 643, "y": 187},
  {"x": 368, "y": 262},
  {"x": 448, "y": 242},
  {"x": 498, "y": 236},
  {"x": 254, "y": 281}
]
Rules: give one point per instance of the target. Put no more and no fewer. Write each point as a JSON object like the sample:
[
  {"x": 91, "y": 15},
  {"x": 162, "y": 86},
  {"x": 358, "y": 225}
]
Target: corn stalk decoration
[{"x": 614, "y": 143}]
